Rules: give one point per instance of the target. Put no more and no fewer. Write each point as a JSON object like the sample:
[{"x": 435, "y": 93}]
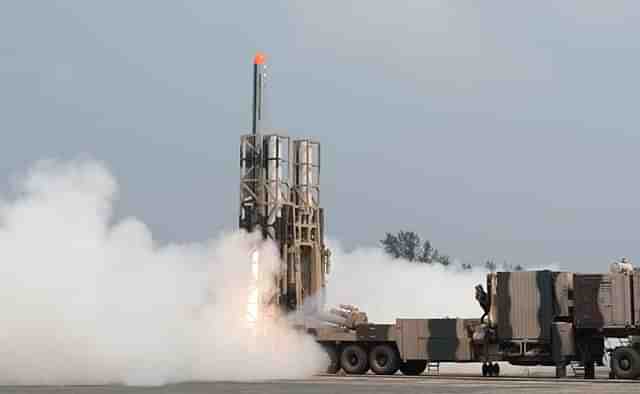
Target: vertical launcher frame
[{"x": 280, "y": 197}]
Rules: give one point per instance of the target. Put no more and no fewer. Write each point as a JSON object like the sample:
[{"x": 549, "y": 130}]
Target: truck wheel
[
  {"x": 334, "y": 359},
  {"x": 495, "y": 369},
  {"x": 354, "y": 360},
  {"x": 589, "y": 370},
  {"x": 384, "y": 360},
  {"x": 626, "y": 363},
  {"x": 413, "y": 367},
  {"x": 485, "y": 369}
]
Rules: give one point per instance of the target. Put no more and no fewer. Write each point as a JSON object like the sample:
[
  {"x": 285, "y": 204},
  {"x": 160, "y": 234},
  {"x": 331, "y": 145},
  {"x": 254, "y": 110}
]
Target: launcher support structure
[{"x": 280, "y": 198}]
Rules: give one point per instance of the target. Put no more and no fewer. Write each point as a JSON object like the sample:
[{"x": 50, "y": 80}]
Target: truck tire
[
  {"x": 384, "y": 359},
  {"x": 334, "y": 359},
  {"x": 589, "y": 370},
  {"x": 625, "y": 363},
  {"x": 354, "y": 360},
  {"x": 413, "y": 367}
]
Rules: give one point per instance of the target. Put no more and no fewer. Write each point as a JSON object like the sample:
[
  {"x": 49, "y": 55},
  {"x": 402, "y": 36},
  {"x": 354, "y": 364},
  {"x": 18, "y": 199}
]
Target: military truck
[
  {"x": 530, "y": 318},
  {"x": 407, "y": 345}
]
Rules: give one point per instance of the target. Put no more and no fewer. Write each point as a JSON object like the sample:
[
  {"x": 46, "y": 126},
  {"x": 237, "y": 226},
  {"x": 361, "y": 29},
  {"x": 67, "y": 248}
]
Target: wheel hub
[{"x": 625, "y": 364}]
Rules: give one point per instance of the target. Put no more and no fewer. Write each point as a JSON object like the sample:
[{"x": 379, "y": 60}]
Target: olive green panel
[
  {"x": 603, "y": 301},
  {"x": 375, "y": 332},
  {"x": 525, "y": 305},
  {"x": 435, "y": 339},
  {"x": 562, "y": 341}
]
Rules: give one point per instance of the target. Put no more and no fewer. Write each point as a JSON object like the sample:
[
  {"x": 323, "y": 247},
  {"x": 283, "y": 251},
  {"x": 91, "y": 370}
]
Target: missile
[{"x": 259, "y": 68}]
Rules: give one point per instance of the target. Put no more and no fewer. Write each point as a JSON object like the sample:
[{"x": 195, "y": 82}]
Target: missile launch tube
[
  {"x": 274, "y": 154},
  {"x": 305, "y": 174},
  {"x": 331, "y": 318}
]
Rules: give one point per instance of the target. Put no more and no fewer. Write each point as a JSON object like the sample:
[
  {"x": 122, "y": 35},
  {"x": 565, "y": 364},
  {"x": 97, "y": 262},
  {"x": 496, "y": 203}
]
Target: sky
[{"x": 498, "y": 130}]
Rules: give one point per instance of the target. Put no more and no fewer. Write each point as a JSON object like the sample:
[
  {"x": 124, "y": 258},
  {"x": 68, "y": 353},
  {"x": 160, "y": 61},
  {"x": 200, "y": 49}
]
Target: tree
[
  {"x": 426, "y": 254},
  {"x": 435, "y": 256},
  {"x": 444, "y": 260},
  {"x": 408, "y": 245},
  {"x": 391, "y": 245},
  {"x": 490, "y": 265}
]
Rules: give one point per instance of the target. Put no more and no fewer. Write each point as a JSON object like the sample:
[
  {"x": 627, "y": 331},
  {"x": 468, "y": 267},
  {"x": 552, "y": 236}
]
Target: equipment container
[
  {"x": 435, "y": 339},
  {"x": 525, "y": 305},
  {"x": 602, "y": 301}
]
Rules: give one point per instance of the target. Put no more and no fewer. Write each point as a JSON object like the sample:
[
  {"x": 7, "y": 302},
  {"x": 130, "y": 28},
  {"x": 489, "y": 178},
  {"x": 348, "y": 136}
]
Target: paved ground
[{"x": 358, "y": 385}]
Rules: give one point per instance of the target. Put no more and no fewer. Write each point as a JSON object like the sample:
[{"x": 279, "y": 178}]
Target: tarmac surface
[{"x": 357, "y": 385}]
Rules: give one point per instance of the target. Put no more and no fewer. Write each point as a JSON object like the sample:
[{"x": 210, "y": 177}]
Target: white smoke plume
[
  {"x": 387, "y": 288},
  {"x": 84, "y": 299}
]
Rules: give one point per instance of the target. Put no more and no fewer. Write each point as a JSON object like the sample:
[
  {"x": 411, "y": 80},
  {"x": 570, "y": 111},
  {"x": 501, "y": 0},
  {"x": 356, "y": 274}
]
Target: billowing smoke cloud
[
  {"x": 389, "y": 288},
  {"x": 84, "y": 299}
]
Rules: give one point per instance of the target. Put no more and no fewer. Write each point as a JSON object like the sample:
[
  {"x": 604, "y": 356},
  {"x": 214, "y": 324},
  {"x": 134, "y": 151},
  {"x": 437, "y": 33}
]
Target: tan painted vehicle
[
  {"x": 531, "y": 318},
  {"x": 406, "y": 345}
]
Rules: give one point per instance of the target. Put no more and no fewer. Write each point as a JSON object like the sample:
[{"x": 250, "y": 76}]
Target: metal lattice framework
[
  {"x": 265, "y": 187},
  {"x": 280, "y": 197}
]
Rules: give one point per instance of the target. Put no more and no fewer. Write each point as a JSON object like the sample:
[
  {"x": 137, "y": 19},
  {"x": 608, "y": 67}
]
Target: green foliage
[
  {"x": 491, "y": 266},
  {"x": 444, "y": 260},
  {"x": 391, "y": 245},
  {"x": 408, "y": 245}
]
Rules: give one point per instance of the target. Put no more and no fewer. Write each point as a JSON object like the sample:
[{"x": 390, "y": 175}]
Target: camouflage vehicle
[{"x": 530, "y": 318}]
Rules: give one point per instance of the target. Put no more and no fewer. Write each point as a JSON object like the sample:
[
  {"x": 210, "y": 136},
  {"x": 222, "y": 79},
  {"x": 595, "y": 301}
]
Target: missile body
[{"x": 259, "y": 67}]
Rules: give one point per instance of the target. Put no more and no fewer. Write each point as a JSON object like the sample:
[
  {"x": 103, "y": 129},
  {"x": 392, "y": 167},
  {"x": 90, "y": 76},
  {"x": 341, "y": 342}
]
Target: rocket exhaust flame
[{"x": 253, "y": 300}]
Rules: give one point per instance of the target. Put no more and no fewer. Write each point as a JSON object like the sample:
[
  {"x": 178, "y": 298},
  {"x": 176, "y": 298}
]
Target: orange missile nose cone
[{"x": 260, "y": 58}]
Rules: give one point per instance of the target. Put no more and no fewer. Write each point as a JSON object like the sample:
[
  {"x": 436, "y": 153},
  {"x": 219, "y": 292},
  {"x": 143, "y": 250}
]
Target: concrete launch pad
[{"x": 357, "y": 385}]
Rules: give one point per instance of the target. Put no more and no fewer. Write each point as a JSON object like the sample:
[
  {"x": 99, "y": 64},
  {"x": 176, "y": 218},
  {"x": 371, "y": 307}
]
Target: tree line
[{"x": 408, "y": 245}]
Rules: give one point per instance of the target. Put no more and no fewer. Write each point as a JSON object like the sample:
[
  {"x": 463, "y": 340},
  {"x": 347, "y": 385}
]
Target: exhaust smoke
[
  {"x": 86, "y": 300},
  {"x": 387, "y": 288}
]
